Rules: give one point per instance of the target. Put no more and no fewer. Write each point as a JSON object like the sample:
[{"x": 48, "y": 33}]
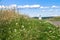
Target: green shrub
[{"x": 24, "y": 28}]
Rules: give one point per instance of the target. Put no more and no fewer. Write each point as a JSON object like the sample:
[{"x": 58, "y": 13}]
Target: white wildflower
[
  {"x": 24, "y": 29},
  {"x": 22, "y": 26},
  {"x": 16, "y": 23},
  {"x": 50, "y": 31},
  {"x": 15, "y": 30}
]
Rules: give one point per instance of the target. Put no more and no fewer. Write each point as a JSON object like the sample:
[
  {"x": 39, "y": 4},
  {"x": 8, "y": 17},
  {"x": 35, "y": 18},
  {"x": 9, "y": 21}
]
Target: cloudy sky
[{"x": 35, "y": 7}]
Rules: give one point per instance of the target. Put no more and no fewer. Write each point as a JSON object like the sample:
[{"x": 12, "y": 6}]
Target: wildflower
[
  {"x": 22, "y": 26},
  {"x": 16, "y": 23},
  {"x": 15, "y": 30},
  {"x": 24, "y": 29},
  {"x": 50, "y": 31}
]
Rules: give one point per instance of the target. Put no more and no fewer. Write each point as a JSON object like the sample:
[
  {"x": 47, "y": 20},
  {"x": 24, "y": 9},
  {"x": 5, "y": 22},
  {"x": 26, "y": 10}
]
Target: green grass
[
  {"x": 25, "y": 28},
  {"x": 54, "y": 18},
  {"x": 57, "y": 18}
]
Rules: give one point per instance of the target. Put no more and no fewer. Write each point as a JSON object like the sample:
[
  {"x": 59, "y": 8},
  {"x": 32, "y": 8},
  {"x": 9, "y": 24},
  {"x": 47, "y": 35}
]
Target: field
[
  {"x": 15, "y": 26},
  {"x": 53, "y": 20}
]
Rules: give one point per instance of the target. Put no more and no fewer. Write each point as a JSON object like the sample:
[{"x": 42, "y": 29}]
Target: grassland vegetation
[{"x": 14, "y": 26}]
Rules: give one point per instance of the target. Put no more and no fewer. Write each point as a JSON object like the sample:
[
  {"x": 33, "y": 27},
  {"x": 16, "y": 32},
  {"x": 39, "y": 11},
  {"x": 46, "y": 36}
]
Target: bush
[{"x": 19, "y": 27}]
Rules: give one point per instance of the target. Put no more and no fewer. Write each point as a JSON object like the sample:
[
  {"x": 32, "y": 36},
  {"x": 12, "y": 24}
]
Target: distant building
[{"x": 40, "y": 17}]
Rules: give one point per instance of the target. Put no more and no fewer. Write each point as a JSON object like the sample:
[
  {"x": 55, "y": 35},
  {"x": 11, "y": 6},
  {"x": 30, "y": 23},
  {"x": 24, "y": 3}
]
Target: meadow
[{"x": 15, "y": 26}]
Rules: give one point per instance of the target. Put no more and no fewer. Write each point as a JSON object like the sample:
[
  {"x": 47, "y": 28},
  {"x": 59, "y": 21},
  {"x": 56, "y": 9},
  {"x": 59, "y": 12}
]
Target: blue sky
[{"x": 53, "y": 7}]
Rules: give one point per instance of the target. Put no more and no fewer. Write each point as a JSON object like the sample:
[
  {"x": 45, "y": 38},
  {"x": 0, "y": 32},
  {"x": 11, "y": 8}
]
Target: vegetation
[
  {"x": 14, "y": 26},
  {"x": 54, "y": 18}
]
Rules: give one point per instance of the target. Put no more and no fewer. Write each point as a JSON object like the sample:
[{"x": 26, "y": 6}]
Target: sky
[{"x": 35, "y": 7}]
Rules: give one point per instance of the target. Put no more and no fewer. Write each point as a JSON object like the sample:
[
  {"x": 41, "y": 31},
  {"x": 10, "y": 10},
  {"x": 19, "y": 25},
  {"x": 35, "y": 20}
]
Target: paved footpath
[{"x": 56, "y": 23}]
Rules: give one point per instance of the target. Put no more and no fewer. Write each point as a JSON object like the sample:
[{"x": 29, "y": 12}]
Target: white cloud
[
  {"x": 19, "y": 6},
  {"x": 25, "y": 6},
  {"x": 54, "y": 15},
  {"x": 43, "y": 10},
  {"x": 29, "y": 6},
  {"x": 35, "y": 6},
  {"x": 55, "y": 6},
  {"x": 2, "y": 6},
  {"x": 41, "y": 7},
  {"x": 44, "y": 7},
  {"x": 12, "y": 6}
]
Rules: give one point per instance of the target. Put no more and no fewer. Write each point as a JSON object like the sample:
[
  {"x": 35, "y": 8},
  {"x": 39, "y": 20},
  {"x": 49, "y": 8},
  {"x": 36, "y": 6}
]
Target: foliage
[{"x": 23, "y": 28}]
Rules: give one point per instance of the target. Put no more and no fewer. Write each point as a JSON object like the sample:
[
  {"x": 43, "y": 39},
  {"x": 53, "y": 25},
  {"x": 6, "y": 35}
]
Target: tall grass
[{"x": 14, "y": 26}]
